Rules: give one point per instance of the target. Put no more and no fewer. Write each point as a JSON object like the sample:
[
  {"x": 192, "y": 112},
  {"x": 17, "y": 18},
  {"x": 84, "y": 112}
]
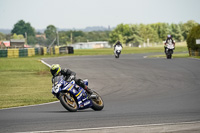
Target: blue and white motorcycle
[{"x": 73, "y": 97}]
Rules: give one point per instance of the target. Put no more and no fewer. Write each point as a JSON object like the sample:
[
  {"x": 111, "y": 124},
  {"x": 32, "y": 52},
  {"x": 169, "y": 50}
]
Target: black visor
[{"x": 53, "y": 72}]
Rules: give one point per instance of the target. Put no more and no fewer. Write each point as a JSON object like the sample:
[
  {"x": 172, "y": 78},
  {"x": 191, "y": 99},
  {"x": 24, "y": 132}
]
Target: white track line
[
  {"x": 144, "y": 56},
  {"x": 45, "y": 63},
  {"x": 30, "y": 105},
  {"x": 115, "y": 127}
]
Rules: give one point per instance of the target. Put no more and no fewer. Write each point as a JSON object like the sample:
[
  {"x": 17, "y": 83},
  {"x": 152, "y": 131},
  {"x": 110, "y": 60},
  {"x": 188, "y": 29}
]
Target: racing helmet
[
  {"x": 118, "y": 43},
  {"x": 55, "y": 69},
  {"x": 169, "y": 36}
]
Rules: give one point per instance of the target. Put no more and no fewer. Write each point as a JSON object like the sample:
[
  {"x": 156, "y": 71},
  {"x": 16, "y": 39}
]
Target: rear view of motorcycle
[
  {"x": 73, "y": 97},
  {"x": 117, "y": 51},
  {"x": 169, "y": 50}
]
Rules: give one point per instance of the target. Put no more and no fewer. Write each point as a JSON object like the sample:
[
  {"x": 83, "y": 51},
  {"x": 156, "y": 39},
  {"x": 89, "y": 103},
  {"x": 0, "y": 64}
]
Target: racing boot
[
  {"x": 91, "y": 94},
  {"x": 88, "y": 90}
]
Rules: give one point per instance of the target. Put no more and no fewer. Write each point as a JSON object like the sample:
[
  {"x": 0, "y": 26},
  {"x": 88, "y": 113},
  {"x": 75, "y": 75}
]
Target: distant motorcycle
[
  {"x": 117, "y": 51},
  {"x": 73, "y": 97},
  {"x": 169, "y": 50}
]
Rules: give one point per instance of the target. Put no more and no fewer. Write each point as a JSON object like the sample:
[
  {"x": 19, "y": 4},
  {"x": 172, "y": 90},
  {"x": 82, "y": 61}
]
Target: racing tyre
[
  {"x": 97, "y": 103},
  {"x": 117, "y": 56},
  {"x": 68, "y": 102},
  {"x": 169, "y": 56}
]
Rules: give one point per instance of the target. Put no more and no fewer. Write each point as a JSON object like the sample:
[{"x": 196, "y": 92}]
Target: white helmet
[{"x": 168, "y": 36}]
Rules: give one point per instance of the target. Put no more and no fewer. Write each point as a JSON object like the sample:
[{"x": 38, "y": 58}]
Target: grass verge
[
  {"x": 126, "y": 50},
  {"x": 24, "y": 81}
]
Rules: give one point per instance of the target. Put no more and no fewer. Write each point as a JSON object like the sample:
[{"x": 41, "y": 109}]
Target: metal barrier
[
  {"x": 13, "y": 53},
  {"x": 4, "y": 53}
]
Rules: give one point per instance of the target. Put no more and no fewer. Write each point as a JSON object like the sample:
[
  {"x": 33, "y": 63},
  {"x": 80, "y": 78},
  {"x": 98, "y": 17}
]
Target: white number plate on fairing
[{"x": 56, "y": 88}]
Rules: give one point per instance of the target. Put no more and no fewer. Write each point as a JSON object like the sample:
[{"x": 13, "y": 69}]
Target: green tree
[
  {"x": 8, "y": 36},
  {"x": 63, "y": 38},
  {"x": 23, "y": 28},
  {"x": 50, "y": 33},
  {"x": 162, "y": 29},
  {"x": 97, "y": 36},
  {"x": 114, "y": 36},
  {"x": 31, "y": 40},
  {"x": 186, "y": 27},
  {"x": 2, "y": 36},
  {"x": 147, "y": 32},
  {"x": 192, "y": 36},
  {"x": 40, "y": 40},
  {"x": 135, "y": 38},
  {"x": 15, "y": 36},
  {"x": 122, "y": 33},
  {"x": 176, "y": 32}
]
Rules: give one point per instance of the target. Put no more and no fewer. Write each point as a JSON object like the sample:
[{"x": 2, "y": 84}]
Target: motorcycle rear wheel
[
  {"x": 69, "y": 104},
  {"x": 97, "y": 103}
]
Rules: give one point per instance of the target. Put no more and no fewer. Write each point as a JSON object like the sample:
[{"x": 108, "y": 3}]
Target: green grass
[{"x": 26, "y": 81}]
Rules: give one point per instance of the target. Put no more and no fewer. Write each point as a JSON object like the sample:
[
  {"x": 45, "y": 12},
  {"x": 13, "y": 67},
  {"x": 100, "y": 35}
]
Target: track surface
[{"x": 135, "y": 90}]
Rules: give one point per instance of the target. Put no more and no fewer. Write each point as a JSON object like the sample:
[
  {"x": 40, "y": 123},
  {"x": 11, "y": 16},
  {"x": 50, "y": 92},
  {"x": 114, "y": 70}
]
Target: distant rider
[
  {"x": 69, "y": 75},
  {"x": 169, "y": 40},
  {"x": 118, "y": 44}
]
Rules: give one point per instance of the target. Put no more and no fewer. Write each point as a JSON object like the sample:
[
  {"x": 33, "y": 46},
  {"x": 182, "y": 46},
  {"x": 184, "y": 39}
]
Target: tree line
[
  {"x": 23, "y": 30},
  {"x": 126, "y": 33},
  {"x": 156, "y": 33}
]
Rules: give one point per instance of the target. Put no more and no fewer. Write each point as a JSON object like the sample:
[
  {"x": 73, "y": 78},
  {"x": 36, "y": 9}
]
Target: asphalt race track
[{"x": 135, "y": 91}]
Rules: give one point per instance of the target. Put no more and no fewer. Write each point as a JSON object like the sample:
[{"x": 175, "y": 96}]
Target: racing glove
[{"x": 72, "y": 77}]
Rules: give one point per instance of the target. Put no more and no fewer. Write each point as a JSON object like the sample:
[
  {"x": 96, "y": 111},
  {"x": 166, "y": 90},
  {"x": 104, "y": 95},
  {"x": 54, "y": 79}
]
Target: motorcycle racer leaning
[
  {"x": 69, "y": 75},
  {"x": 169, "y": 39}
]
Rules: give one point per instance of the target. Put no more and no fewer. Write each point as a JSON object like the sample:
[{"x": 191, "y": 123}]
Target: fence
[{"x": 12, "y": 53}]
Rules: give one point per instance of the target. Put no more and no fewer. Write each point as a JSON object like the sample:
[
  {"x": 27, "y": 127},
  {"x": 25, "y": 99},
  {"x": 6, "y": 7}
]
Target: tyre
[
  {"x": 68, "y": 102},
  {"x": 118, "y": 55},
  {"x": 97, "y": 103},
  {"x": 168, "y": 57}
]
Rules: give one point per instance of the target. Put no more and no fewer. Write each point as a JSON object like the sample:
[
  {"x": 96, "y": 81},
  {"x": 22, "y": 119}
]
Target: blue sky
[{"x": 84, "y": 13}]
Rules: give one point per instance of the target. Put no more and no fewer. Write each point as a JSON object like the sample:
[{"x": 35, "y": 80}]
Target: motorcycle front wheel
[
  {"x": 68, "y": 102},
  {"x": 117, "y": 56},
  {"x": 169, "y": 56},
  {"x": 97, "y": 102}
]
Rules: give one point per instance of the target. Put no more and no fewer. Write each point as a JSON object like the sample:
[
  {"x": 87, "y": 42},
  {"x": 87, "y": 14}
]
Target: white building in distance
[{"x": 91, "y": 45}]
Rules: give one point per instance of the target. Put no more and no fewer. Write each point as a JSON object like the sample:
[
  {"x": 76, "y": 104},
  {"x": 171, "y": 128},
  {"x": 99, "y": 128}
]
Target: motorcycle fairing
[
  {"x": 77, "y": 91},
  {"x": 82, "y": 98}
]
